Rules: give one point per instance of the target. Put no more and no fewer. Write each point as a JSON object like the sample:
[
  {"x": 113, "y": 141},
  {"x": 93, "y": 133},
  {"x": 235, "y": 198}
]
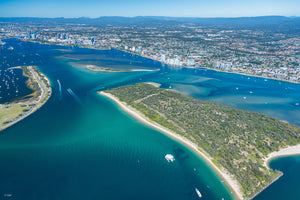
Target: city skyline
[
  {"x": 130, "y": 8},
  {"x": 128, "y": 99}
]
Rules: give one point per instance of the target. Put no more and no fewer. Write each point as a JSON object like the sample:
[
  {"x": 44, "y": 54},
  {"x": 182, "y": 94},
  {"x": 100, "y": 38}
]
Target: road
[{"x": 28, "y": 104}]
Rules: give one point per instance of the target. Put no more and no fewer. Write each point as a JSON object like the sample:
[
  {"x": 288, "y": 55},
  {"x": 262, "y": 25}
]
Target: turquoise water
[
  {"x": 85, "y": 147},
  {"x": 287, "y": 187}
]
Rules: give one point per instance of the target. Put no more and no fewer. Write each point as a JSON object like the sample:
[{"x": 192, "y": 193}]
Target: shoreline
[
  {"x": 102, "y": 69},
  {"x": 288, "y": 151},
  {"x": 133, "y": 53},
  {"x": 230, "y": 181},
  {"x": 154, "y": 84},
  {"x": 218, "y": 70},
  {"x": 252, "y": 75},
  {"x": 41, "y": 101},
  {"x": 265, "y": 187}
]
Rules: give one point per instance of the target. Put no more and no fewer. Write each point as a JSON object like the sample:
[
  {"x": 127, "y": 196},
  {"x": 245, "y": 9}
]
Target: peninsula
[
  {"x": 236, "y": 143},
  {"x": 13, "y": 112}
]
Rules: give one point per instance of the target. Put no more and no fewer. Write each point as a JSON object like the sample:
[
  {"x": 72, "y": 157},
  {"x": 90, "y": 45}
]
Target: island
[
  {"x": 236, "y": 143},
  {"x": 15, "y": 111},
  {"x": 96, "y": 68}
]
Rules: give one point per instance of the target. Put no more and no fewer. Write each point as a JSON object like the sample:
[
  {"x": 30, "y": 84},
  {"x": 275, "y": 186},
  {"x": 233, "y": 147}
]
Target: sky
[{"x": 130, "y": 8}]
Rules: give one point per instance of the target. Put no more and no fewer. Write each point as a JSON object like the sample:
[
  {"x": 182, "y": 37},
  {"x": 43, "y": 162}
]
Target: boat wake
[
  {"x": 59, "y": 87},
  {"x": 74, "y": 96}
]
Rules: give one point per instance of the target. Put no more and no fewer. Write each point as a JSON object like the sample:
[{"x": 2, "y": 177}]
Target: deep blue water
[{"x": 85, "y": 147}]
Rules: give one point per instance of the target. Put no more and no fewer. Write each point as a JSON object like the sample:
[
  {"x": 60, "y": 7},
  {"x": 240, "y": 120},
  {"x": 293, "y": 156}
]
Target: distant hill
[
  {"x": 279, "y": 24},
  {"x": 239, "y": 21}
]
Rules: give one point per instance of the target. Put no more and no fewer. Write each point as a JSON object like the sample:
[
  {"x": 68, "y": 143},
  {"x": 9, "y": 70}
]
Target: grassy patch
[{"x": 7, "y": 114}]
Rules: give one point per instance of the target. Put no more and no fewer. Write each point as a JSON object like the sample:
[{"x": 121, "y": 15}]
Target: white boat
[
  {"x": 169, "y": 157},
  {"x": 198, "y": 193}
]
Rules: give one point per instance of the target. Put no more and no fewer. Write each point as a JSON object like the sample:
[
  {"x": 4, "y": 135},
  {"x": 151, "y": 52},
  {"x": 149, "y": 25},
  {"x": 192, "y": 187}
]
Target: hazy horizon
[
  {"x": 154, "y": 16},
  {"x": 131, "y": 8}
]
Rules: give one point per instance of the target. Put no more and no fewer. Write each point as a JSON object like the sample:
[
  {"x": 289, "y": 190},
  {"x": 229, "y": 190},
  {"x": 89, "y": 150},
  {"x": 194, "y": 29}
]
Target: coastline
[
  {"x": 228, "y": 178},
  {"x": 154, "y": 84},
  {"x": 101, "y": 69},
  {"x": 288, "y": 151},
  {"x": 252, "y": 75},
  {"x": 265, "y": 187},
  {"x": 218, "y": 70},
  {"x": 38, "y": 104},
  {"x": 133, "y": 53}
]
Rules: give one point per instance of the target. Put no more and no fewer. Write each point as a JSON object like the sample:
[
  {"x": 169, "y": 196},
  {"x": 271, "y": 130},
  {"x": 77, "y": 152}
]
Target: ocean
[{"x": 81, "y": 145}]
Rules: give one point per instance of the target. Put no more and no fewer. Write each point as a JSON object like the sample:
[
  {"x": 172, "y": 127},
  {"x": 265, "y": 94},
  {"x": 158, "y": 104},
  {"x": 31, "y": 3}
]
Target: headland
[
  {"x": 228, "y": 178},
  {"x": 234, "y": 142}
]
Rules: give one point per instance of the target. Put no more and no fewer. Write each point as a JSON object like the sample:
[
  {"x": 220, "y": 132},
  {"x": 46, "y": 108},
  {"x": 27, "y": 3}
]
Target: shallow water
[{"x": 88, "y": 148}]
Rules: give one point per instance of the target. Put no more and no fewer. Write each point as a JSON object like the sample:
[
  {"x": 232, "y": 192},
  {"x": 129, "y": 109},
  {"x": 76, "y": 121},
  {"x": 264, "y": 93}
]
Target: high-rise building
[
  {"x": 190, "y": 62},
  {"x": 140, "y": 50},
  {"x": 92, "y": 41},
  {"x": 29, "y": 34}
]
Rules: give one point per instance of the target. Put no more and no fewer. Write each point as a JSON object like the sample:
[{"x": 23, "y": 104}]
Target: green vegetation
[
  {"x": 7, "y": 114},
  {"x": 32, "y": 83},
  {"x": 237, "y": 140},
  {"x": 13, "y": 112}
]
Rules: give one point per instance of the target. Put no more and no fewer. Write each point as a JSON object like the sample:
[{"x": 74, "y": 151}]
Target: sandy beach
[
  {"x": 229, "y": 179},
  {"x": 289, "y": 151},
  {"x": 97, "y": 68},
  {"x": 154, "y": 84}
]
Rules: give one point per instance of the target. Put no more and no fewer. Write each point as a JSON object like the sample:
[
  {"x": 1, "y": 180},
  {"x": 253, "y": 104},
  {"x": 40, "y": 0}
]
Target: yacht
[
  {"x": 198, "y": 193},
  {"x": 169, "y": 157}
]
